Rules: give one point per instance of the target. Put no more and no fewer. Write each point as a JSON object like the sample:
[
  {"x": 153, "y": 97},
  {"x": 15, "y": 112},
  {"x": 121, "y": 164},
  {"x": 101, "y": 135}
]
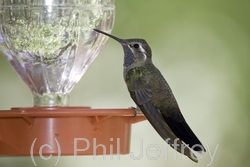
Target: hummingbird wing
[
  {"x": 179, "y": 126},
  {"x": 163, "y": 119},
  {"x": 142, "y": 95}
]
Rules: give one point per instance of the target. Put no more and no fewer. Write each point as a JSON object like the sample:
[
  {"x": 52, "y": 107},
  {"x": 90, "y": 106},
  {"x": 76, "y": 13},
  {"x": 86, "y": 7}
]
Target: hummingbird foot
[{"x": 137, "y": 110}]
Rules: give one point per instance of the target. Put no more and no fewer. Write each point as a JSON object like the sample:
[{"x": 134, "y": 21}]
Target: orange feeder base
[{"x": 65, "y": 131}]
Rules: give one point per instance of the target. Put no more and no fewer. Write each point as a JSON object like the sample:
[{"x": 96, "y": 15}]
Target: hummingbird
[{"x": 153, "y": 96}]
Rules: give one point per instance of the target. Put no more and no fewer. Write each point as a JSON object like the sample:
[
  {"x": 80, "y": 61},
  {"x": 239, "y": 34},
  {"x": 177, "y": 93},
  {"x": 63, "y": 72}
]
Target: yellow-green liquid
[{"x": 51, "y": 47}]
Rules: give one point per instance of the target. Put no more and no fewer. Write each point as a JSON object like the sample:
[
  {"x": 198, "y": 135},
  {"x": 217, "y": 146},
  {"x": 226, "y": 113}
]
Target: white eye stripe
[
  {"x": 142, "y": 49},
  {"x": 144, "y": 56}
]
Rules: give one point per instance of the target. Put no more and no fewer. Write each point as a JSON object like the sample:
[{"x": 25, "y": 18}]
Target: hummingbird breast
[{"x": 149, "y": 79}]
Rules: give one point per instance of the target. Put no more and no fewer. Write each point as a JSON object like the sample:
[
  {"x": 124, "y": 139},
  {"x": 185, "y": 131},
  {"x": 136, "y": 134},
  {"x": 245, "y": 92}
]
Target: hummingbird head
[{"x": 136, "y": 51}]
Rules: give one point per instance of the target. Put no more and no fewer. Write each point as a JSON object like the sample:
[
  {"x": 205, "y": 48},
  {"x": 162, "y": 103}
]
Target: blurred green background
[{"x": 202, "y": 47}]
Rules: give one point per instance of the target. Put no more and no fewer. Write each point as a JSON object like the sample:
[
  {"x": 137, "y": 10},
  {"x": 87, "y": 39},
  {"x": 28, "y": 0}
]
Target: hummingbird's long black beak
[{"x": 111, "y": 36}]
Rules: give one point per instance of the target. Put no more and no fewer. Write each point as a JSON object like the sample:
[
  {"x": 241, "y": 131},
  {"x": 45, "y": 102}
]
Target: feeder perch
[{"x": 50, "y": 44}]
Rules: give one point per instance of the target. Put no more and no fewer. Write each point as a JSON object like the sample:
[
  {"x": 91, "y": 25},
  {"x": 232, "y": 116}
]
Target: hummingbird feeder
[{"x": 50, "y": 44}]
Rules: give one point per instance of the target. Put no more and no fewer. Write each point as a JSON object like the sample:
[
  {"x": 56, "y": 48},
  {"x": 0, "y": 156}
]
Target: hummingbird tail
[
  {"x": 157, "y": 120},
  {"x": 179, "y": 126}
]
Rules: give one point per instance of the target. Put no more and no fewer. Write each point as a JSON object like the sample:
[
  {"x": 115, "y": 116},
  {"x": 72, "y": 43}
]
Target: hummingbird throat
[{"x": 129, "y": 57}]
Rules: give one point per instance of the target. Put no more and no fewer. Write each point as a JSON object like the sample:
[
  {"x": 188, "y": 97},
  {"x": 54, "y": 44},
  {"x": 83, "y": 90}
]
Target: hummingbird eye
[{"x": 136, "y": 46}]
